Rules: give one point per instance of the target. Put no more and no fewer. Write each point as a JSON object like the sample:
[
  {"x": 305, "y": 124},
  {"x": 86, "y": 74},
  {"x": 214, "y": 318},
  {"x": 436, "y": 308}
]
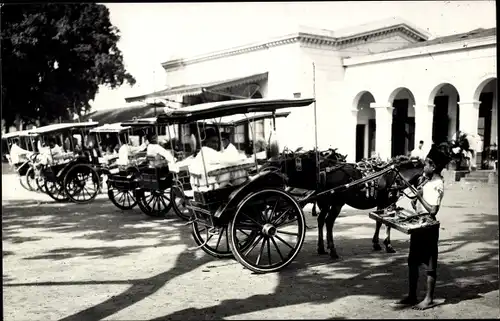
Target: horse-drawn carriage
[
  {"x": 24, "y": 165},
  {"x": 147, "y": 179},
  {"x": 108, "y": 138},
  {"x": 256, "y": 218},
  {"x": 69, "y": 174}
]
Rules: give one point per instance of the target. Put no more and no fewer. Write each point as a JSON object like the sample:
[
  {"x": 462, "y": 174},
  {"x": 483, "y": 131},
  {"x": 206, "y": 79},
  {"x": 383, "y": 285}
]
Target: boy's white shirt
[{"x": 432, "y": 193}]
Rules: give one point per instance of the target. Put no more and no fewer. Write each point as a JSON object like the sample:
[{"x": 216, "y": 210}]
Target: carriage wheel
[
  {"x": 179, "y": 203},
  {"x": 23, "y": 180},
  {"x": 155, "y": 203},
  {"x": 218, "y": 244},
  {"x": 124, "y": 200},
  {"x": 280, "y": 224},
  {"x": 40, "y": 183},
  {"x": 31, "y": 180},
  {"x": 55, "y": 190},
  {"x": 82, "y": 184}
]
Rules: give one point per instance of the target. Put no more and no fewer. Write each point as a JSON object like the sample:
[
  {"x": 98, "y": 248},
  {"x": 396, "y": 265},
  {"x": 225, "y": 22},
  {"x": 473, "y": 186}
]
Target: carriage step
[{"x": 198, "y": 209}]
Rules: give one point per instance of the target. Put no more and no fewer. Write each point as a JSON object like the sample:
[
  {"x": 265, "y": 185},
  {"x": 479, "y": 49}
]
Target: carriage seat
[{"x": 219, "y": 176}]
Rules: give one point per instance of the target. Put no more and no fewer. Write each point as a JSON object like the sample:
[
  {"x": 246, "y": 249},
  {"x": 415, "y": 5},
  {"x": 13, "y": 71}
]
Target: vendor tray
[{"x": 396, "y": 219}]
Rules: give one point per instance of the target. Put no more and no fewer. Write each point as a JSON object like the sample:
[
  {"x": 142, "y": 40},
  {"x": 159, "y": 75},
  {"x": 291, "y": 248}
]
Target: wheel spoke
[
  {"x": 260, "y": 252},
  {"x": 162, "y": 198},
  {"x": 219, "y": 239},
  {"x": 226, "y": 229},
  {"x": 283, "y": 241},
  {"x": 251, "y": 219},
  {"x": 287, "y": 222},
  {"x": 277, "y": 248},
  {"x": 280, "y": 217},
  {"x": 269, "y": 252},
  {"x": 248, "y": 227},
  {"x": 274, "y": 210},
  {"x": 254, "y": 244},
  {"x": 287, "y": 233}
]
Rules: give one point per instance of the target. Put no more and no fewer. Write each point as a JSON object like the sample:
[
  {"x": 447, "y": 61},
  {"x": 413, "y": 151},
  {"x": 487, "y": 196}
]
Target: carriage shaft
[{"x": 347, "y": 186}]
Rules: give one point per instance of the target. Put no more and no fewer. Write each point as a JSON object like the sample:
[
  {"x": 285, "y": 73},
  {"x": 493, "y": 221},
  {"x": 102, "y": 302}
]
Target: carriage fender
[
  {"x": 259, "y": 181},
  {"x": 68, "y": 167},
  {"x": 65, "y": 169}
]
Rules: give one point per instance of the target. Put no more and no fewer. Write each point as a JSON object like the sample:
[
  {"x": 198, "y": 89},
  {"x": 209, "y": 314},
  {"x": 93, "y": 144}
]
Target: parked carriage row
[{"x": 249, "y": 210}]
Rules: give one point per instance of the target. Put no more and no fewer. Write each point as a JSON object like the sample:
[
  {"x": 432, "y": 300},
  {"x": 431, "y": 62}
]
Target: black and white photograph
[{"x": 249, "y": 160}]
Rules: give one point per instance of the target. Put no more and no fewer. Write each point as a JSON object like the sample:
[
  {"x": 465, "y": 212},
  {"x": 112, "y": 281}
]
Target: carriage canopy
[
  {"x": 110, "y": 128},
  {"x": 61, "y": 127},
  {"x": 227, "y": 108}
]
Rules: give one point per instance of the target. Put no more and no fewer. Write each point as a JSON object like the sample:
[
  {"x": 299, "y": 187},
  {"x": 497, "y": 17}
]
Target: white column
[
  {"x": 424, "y": 115},
  {"x": 383, "y": 133},
  {"x": 469, "y": 116},
  {"x": 349, "y": 140}
]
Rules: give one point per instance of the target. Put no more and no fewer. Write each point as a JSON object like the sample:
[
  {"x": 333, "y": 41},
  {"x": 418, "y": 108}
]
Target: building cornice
[
  {"x": 299, "y": 37},
  {"x": 489, "y": 41}
]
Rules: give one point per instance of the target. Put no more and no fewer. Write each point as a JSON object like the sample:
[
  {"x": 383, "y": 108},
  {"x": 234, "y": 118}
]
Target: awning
[
  {"x": 119, "y": 115},
  {"x": 198, "y": 88}
]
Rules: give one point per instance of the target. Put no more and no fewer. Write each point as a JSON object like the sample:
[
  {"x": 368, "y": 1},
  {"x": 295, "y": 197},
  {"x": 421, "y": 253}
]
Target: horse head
[{"x": 410, "y": 168}]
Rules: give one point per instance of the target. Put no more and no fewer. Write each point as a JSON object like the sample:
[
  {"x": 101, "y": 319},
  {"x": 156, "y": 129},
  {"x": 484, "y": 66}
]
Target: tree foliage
[{"x": 54, "y": 57}]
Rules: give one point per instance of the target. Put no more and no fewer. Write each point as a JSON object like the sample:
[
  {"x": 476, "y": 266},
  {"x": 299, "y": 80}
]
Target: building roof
[
  {"x": 473, "y": 34},
  {"x": 198, "y": 88},
  {"x": 316, "y": 35}
]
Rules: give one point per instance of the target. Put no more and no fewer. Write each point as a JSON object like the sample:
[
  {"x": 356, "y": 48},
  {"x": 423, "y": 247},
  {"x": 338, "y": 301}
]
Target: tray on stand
[{"x": 404, "y": 221}]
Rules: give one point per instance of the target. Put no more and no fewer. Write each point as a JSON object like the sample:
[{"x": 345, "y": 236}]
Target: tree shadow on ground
[
  {"x": 316, "y": 279},
  {"x": 313, "y": 279},
  {"x": 100, "y": 220}
]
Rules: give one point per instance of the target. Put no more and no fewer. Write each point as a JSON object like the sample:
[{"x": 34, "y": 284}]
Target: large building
[{"x": 380, "y": 87}]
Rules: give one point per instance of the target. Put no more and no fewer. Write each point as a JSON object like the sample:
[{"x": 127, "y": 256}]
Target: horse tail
[{"x": 314, "y": 210}]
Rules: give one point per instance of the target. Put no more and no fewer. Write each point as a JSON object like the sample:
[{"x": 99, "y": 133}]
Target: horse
[
  {"x": 386, "y": 192},
  {"x": 388, "y": 189}
]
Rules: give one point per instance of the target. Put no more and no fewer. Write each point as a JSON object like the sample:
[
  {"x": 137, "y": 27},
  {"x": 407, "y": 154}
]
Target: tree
[{"x": 54, "y": 57}]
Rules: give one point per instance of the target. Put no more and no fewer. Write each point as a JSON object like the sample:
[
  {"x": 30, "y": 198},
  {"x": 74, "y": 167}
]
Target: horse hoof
[
  {"x": 321, "y": 251},
  {"x": 376, "y": 247},
  {"x": 334, "y": 256},
  {"x": 390, "y": 249}
]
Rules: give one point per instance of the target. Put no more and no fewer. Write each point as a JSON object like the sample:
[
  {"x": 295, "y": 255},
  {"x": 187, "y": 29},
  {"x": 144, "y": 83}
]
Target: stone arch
[
  {"x": 399, "y": 92},
  {"x": 365, "y": 124},
  {"x": 403, "y": 121},
  {"x": 482, "y": 83},
  {"x": 487, "y": 129},
  {"x": 445, "y": 98},
  {"x": 358, "y": 96}
]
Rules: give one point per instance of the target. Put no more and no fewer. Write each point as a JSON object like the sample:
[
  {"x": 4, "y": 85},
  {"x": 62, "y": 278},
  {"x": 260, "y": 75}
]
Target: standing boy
[{"x": 424, "y": 243}]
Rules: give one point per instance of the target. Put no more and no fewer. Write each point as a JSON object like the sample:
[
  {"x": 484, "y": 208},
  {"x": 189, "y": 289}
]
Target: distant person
[
  {"x": 229, "y": 148},
  {"x": 17, "y": 153},
  {"x": 419, "y": 151},
  {"x": 154, "y": 149}
]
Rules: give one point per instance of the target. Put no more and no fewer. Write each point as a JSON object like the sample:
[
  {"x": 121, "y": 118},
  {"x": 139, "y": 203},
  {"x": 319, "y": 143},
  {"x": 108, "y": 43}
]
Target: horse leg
[
  {"x": 314, "y": 213},
  {"x": 323, "y": 210},
  {"x": 375, "y": 239},
  {"x": 330, "y": 222},
  {"x": 387, "y": 241}
]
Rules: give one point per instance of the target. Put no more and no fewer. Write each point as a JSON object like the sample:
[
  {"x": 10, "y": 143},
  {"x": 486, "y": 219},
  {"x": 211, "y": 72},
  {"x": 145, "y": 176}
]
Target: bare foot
[
  {"x": 409, "y": 300},
  {"x": 425, "y": 304}
]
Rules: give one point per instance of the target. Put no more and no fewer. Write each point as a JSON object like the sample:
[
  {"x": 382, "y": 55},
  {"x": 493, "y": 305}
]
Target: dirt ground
[{"x": 93, "y": 262}]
